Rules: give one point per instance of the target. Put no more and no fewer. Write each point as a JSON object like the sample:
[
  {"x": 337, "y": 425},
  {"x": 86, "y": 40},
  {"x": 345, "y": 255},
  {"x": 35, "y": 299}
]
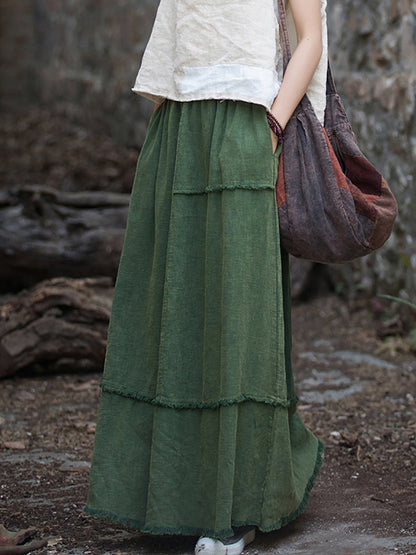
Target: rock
[
  {"x": 373, "y": 55},
  {"x": 75, "y": 466},
  {"x": 14, "y": 445},
  {"x": 80, "y": 56},
  {"x": 25, "y": 396}
]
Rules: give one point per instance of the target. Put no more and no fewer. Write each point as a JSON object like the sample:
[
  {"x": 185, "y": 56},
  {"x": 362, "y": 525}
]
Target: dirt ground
[{"x": 357, "y": 393}]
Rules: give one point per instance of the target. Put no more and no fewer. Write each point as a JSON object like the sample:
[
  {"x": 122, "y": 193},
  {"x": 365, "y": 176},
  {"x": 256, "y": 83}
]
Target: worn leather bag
[{"x": 333, "y": 205}]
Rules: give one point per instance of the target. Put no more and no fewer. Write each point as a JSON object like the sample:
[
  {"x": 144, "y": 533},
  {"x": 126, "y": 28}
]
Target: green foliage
[
  {"x": 405, "y": 260},
  {"x": 397, "y": 299}
]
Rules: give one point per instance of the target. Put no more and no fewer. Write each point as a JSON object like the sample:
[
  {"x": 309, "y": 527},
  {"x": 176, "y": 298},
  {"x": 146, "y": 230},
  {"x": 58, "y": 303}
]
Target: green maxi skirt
[{"x": 198, "y": 428}]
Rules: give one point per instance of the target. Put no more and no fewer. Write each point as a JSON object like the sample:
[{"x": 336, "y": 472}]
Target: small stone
[
  {"x": 75, "y": 466},
  {"x": 14, "y": 445},
  {"x": 25, "y": 396}
]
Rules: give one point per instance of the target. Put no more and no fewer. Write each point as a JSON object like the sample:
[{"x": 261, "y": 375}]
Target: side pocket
[
  {"x": 275, "y": 153},
  {"x": 194, "y": 147},
  {"x": 244, "y": 155},
  {"x": 223, "y": 145}
]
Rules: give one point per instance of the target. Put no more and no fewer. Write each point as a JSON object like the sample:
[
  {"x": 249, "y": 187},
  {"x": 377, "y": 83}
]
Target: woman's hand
[{"x": 304, "y": 61}]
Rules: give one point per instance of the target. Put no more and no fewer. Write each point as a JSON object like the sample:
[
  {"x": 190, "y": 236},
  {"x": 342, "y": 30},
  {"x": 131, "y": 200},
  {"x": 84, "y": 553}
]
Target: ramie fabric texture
[
  {"x": 222, "y": 49},
  {"x": 197, "y": 429}
]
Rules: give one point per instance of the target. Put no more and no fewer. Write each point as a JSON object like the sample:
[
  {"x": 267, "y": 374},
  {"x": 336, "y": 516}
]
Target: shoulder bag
[{"x": 333, "y": 205}]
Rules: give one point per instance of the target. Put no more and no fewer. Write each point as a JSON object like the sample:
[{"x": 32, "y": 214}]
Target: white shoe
[{"x": 234, "y": 545}]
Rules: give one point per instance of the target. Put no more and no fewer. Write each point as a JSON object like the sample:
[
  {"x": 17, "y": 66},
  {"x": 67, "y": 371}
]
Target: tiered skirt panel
[{"x": 197, "y": 428}]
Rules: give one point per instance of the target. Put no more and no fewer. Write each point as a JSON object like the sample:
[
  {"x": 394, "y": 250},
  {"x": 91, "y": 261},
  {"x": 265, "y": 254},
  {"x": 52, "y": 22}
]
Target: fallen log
[
  {"x": 46, "y": 233},
  {"x": 60, "y": 324}
]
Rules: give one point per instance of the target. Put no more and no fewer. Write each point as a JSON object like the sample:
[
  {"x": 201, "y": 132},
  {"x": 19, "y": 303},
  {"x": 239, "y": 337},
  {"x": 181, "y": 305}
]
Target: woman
[{"x": 197, "y": 430}]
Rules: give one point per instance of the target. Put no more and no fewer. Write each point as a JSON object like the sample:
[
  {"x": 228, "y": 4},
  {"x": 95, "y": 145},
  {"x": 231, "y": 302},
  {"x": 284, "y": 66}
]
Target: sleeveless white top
[{"x": 222, "y": 49}]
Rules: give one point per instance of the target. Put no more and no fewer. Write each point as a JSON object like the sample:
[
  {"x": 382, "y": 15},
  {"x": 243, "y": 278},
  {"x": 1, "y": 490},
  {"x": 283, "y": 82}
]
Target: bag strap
[
  {"x": 330, "y": 83},
  {"x": 287, "y": 54},
  {"x": 284, "y": 33}
]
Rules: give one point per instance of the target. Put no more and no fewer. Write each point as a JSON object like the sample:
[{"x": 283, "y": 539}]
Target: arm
[{"x": 304, "y": 61}]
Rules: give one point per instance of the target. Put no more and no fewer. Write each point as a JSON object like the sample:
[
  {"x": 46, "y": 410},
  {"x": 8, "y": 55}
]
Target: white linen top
[{"x": 222, "y": 49}]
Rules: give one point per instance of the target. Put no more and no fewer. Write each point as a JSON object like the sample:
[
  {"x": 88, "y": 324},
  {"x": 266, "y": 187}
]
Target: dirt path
[{"x": 355, "y": 395}]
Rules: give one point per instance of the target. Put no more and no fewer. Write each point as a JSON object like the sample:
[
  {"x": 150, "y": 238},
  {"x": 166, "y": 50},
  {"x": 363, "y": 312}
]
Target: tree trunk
[
  {"x": 46, "y": 233},
  {"x": 61, "y": 324}
]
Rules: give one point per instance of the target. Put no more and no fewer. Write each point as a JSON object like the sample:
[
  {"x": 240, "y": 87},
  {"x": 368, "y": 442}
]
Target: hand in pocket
[{"x": 275, "y": 141}]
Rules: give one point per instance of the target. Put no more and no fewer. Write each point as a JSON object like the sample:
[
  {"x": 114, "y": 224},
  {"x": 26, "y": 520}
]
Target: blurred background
[{"x": 71, "y": 130}]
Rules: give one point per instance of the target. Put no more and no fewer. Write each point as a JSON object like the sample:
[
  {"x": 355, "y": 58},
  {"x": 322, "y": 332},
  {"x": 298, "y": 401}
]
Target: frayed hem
[
  {"x": 227, "y": 187},
  {"x": 226, "y": 532},
  {"x": 285, "y": 403}
]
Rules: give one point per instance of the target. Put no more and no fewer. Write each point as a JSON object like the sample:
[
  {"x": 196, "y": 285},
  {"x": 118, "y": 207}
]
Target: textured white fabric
[
  {"x": 222, "y": 49},
  {"x": 230, "y": 79}
]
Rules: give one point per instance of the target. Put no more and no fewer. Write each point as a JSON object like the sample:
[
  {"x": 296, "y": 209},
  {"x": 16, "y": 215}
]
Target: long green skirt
[{"x": 198, "y": 428}]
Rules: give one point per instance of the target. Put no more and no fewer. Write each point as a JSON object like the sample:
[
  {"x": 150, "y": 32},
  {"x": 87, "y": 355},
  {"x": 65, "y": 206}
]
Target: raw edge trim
[
  {"x": 287, "y": 403},
  {"x": 188, "y": 530},
  {"x": 230, "y": 186}
]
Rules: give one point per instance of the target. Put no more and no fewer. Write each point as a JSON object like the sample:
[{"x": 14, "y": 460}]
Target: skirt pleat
[{"x": 197, "y": 428}]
